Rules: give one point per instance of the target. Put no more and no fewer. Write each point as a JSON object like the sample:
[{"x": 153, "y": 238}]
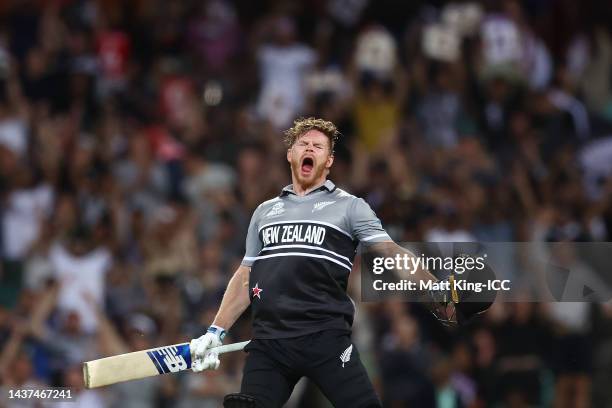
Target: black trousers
[{"x": 273, "y": 367}]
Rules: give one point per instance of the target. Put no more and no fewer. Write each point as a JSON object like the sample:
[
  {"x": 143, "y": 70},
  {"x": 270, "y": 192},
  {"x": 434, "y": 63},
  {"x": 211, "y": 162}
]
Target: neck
[{"x": 303, "y": 189}]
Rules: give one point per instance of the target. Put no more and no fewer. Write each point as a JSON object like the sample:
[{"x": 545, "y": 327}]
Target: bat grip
[{"x": 228, "y": 348}]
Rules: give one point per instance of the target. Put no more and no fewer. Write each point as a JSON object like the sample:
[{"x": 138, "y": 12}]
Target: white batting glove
[
  {"x": 202, "y": 357},
  {"x": 211, "y": 362}
]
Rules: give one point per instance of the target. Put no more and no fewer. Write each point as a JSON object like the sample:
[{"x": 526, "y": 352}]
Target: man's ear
[
  {"x": 289, "y": 154},
  {"x": 330, "y": 161}
]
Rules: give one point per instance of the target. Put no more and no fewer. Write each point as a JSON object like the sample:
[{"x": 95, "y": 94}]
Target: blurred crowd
[{"x": 137, "y": 137}]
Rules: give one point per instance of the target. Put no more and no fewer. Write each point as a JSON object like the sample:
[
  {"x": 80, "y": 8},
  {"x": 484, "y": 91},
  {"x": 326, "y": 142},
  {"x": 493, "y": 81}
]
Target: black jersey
[{"x": 301, "y": 251}]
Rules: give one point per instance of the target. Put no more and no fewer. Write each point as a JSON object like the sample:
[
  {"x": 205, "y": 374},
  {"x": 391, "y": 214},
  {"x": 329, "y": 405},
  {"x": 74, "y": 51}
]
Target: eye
[{"x": 318, "y": 146}]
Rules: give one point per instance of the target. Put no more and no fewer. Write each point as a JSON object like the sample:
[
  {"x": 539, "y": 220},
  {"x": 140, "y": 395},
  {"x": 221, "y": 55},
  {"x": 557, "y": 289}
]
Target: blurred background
[{"x": 137, "y": 137}]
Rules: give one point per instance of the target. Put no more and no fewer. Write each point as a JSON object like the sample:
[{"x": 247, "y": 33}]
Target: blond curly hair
[{"x": 303, "y": 125}]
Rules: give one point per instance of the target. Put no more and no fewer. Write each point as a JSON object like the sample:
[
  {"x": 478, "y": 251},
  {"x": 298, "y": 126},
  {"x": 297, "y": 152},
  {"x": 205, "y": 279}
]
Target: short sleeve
[
  {"x": 365, "y": 225},
  {"x": 253, "y": 244}
]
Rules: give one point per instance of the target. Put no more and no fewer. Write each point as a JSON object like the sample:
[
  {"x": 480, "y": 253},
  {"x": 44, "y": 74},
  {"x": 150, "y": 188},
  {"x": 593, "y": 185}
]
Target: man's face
[{"x": 310, "y": 158}]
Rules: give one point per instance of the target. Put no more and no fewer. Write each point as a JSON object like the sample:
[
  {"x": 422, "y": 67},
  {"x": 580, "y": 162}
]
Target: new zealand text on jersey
[{"x": 311, "y": 234}]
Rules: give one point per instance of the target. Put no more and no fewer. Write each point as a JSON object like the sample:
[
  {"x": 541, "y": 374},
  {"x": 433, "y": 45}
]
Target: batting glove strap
[
  {"x": 218, "y": 331},
  {"x": 453, "y": 306}
]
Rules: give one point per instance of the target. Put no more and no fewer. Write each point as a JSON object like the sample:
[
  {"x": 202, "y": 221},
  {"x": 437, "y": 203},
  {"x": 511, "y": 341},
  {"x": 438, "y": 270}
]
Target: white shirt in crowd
[
  {"x": 80, "y": 277},
  {"x": 13, "y": 136},
  {"x": 282, "y": 72},
  {"x": 444, "y": 235},
  {"x": 22, "y": 219}
]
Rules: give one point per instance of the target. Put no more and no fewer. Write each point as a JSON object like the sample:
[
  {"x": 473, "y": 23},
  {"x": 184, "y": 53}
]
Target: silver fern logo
[
  {"x": 345, "y": 357},
  {"x": 321, "y": 205}
]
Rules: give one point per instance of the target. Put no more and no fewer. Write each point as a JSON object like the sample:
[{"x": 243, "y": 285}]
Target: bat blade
[{"x": 144, "y": 363}]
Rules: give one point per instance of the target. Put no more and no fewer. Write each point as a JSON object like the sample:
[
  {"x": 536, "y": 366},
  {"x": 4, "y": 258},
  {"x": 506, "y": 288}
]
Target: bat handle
[{"x": 228, "y": 348}]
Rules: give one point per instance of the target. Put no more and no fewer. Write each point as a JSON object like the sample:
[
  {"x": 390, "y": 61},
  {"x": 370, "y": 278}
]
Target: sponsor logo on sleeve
[{"x": 276, "y": 209}]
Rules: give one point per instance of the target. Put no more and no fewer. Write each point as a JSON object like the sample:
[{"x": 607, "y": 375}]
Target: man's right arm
[
  {"x": 235, "y": 300},
  {"x": 236, "y": 297},
  {"x": 234, "y": 303}
]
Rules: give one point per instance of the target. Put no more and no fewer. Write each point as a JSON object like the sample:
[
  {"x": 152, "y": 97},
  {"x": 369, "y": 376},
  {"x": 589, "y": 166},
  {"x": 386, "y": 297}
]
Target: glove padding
[
  {"x": 202, "y": 357},
  {"x": 470, "y": 304},
  {"x": 209, "y": 362},
  {"x": 460, "y": 306}
]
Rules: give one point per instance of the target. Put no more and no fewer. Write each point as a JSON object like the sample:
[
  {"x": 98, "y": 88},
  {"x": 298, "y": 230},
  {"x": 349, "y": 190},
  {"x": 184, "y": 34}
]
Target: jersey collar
[{"x": 328, "y": 185}]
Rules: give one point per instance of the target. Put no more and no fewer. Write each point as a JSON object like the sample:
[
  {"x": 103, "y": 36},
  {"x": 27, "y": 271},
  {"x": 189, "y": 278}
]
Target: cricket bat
[{"x": 144, "y": 363}]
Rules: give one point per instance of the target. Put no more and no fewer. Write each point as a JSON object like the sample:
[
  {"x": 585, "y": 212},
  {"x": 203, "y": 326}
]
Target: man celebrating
[{"x": 299, "y": 252}]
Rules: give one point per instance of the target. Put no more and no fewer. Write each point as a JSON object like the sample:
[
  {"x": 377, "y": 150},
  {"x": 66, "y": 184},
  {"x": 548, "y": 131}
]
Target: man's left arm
[{"x": 367, "y": 229}]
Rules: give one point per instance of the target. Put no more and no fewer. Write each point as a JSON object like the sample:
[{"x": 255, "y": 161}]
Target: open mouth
[{"x": 307, "y": 164}]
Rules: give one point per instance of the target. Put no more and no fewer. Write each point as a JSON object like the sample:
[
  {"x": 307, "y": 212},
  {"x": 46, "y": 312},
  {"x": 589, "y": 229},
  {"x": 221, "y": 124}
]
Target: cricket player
[{"x": 300, "y": 248}]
